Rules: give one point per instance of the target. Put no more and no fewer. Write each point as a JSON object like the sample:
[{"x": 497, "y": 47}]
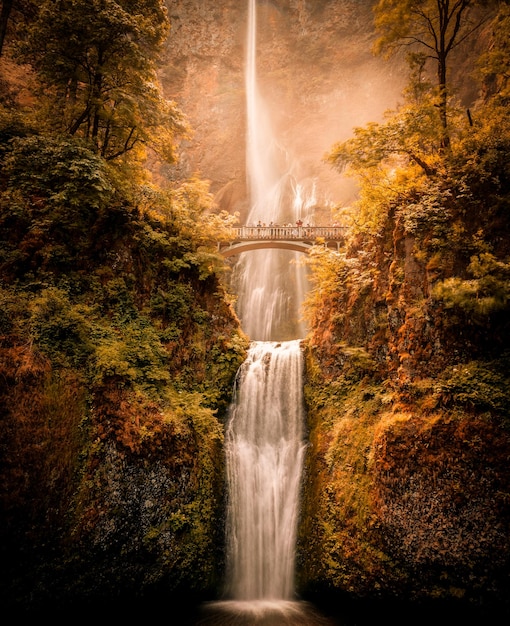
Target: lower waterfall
[
  {"x": 264, "y": 455},
  {"x": 265, "y": 447}
]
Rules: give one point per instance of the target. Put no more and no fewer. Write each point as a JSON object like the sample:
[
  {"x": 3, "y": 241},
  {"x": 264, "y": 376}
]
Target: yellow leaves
[
  {"x": 188, "y": 408},
  {"x": 485, "y": 264},
  {"x": 111, "y": 360},
  {"x": 194, "y": 208},
  {"x": 390, "y": 420},
  {"x": 392, "y": 21}
]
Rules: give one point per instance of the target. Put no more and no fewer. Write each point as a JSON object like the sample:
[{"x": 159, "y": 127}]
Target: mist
[{"x": 317, "y": 76}]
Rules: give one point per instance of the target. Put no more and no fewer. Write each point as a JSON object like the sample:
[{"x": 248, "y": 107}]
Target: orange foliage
[
  {"x": 40, "y": 435},
  {"x": 135, "y": 423}
]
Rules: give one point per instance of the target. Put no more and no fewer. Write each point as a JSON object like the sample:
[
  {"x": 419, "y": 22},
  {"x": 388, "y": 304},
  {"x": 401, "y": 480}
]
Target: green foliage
[
  {"x": 429, "y": 214},
  {"x": 137, "y": 302},
  {"x": 477, "y": 385},
  {"x": 13, "y": 124},
  {"x": 54, "y": 191},
  {"x": 223, "y": 358},
  {"x": 61, "y": 329},
  {"x": 481, "y": 166},
  {"x": 175, "y": 303},
  {"x": 486, "y": 293},
  {"x": 132, "y": 354},
  {"x": 97, "y": 62},
  {"x": 57, "y": 173},
  {"x": 187, "y": 215}
]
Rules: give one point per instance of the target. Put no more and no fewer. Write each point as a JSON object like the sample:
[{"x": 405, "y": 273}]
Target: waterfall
[
  {"x": 265, "y": 448},
  {"x": 264, "y": 439},
  {"x": 270, "y": 284}
]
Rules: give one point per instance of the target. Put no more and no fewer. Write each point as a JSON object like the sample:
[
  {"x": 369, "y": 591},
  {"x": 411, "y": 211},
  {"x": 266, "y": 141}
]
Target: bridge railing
[{"x": 302, "y": 233}]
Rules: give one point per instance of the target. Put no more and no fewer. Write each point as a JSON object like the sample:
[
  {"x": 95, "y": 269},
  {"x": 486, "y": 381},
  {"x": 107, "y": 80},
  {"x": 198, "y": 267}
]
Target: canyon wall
[{"x": 316, "y": 72}]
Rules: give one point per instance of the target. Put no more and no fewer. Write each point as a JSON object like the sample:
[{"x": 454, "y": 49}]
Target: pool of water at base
[{"x": 261, "y": 613}]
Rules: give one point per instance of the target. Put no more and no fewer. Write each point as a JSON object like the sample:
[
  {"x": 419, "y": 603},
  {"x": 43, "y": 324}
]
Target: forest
[{"x": 119, "y": 341}]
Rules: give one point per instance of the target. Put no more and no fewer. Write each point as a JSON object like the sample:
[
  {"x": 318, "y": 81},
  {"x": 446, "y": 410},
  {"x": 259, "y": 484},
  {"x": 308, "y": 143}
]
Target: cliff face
[
  {"x": 407, "y": 487},
  {"x": 316, "y": 73},
  {"x": 118, "y": 350}
]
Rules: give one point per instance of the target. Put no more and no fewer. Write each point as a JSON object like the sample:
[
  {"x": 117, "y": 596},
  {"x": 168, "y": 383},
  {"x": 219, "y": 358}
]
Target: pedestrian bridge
[{"x": 297, "y": 238}]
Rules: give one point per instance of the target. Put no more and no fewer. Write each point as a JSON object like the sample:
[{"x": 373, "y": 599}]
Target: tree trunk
[
  {"x": 443, "y": 103},
  {"x": 4, "y": 21}
]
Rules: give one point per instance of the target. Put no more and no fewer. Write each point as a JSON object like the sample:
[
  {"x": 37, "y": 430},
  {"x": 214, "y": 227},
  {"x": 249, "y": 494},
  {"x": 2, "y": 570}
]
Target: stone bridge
[{"x": 298, "y": 238}]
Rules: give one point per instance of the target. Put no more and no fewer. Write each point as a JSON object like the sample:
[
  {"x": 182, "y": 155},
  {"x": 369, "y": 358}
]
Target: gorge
[
  {"x": 264, "y": 438},
  {"x": 123, "y": 331}
]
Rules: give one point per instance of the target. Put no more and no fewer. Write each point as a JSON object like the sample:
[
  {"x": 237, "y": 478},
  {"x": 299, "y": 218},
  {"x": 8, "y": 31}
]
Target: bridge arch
[{"x": 247, "y": 246}]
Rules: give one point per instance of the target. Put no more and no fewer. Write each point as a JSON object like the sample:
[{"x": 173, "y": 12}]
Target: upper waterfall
[{"x": 270, "y": 284}]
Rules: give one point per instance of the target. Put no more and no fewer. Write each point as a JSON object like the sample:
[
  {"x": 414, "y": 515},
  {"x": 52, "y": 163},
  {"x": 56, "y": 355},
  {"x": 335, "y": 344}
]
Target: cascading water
[
  {"x": 264, "y": 439},
  {"x": 265, "y": 448},
  {"x": 270, "y": 284},
  {"x": 264, "y": 445}
]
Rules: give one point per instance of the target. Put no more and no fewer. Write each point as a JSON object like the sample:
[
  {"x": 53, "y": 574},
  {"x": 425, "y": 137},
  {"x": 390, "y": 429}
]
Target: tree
[
  {"x": 422, "y": 129},
  {"x": 430, "y": 30},
  {"x": 403, "y": 164},
  {"x": 411, "y": 134},
  {"x": 15, "y": 14},
  {"x": 96, "y": 61}
]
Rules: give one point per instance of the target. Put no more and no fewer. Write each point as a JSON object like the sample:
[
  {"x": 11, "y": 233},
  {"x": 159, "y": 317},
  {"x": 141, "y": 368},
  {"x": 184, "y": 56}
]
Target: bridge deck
[
  {"x": 297, "y": 233},
  {"x": 297, "y": 238}
]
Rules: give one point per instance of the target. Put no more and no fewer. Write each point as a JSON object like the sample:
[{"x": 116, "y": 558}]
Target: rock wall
[
  {"x": 407, "y": 489},
  {"x": 316, "y": 72}
]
